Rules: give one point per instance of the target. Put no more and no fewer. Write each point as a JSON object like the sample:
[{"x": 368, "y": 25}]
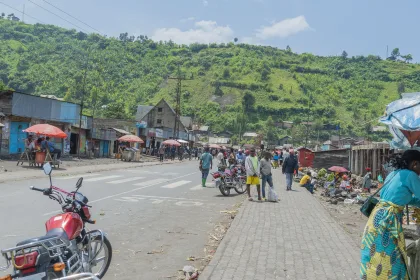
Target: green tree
[
  {"x": 248, "y": 101},
  {"x": 235, "y": 40},
  {"x": 344, "y": 55},
  {"x": 401, "y": 89},
  {"x": 269, "y": 130},
  {"x": 395, "y": 54},
  {"x": 2, "y": 15},
  {"x": 226, "y": 73},
  {"x": 407, "y": 58},
  {"x": 288, "y": 49}
]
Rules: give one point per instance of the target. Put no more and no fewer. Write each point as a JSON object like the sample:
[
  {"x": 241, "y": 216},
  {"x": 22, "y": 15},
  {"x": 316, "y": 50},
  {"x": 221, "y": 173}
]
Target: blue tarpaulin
[{"x": 403, "y": 118}]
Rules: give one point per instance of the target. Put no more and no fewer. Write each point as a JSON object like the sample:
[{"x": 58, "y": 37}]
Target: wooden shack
[{"x": 372, "y": 155}]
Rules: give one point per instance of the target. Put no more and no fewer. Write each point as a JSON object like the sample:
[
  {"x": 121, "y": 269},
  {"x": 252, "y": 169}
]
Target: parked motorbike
[
  {"x": 68, "y": 249},
  {"x": 229, "y": 178}
]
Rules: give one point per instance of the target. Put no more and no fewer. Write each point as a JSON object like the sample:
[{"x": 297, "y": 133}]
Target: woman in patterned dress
[{"x": 383, "y": 251}]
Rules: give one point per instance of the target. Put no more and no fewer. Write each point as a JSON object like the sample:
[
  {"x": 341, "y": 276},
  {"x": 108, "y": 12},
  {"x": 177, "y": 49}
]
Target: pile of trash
[{"x": 337, "y": 195}]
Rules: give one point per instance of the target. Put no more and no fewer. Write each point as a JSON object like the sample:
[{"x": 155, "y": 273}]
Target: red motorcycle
[
  {"x": 68, "y": 249},
  {"x": 230, "y": 178}
]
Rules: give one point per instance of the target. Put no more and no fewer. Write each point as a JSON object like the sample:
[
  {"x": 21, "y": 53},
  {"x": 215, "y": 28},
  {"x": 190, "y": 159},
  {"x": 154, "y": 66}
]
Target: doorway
[{"x": 74, "y": 142}]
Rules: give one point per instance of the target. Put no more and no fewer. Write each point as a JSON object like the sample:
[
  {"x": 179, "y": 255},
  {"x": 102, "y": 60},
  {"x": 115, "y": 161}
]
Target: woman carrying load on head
[{"x": 383, "y": 251}]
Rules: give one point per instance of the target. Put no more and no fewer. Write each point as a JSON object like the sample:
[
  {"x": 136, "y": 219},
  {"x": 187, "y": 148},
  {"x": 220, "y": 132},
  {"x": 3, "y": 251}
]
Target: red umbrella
[
  {"x": 338, "y": 169},
  {"x": 47, "y": 130},
  {"x": 171, "y": 142},
  {"x": 130, "y": 138}
]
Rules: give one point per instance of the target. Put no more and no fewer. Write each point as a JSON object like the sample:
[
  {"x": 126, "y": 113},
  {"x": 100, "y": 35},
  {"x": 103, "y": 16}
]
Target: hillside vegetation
[{"x": 233, "y": 87}]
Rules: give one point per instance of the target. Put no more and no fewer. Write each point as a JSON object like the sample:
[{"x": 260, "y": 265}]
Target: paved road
[{"x": 155, "y": 208}]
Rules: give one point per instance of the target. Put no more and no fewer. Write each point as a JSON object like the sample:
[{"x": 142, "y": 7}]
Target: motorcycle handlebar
[
  {"x": 36, "y": 189},
  {"x": 46, "y": 191}
]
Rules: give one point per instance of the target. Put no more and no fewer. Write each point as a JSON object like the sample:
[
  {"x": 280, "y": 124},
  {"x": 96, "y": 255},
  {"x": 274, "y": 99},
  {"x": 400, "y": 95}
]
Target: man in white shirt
[{"x": 221, "y": 158}]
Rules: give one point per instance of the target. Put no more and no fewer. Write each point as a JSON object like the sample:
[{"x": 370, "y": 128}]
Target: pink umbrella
[
  {"x": 338, "y": 169},
  {"x": 214, "y": 146},
  {"x": 171, "y": 142},
  {"x": 130, "y": 138},
  {"x": 47, "y": 130}
]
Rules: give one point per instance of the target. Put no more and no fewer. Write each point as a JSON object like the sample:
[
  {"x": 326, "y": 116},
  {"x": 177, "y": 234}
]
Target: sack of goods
[{"x": 272, "y": 195}]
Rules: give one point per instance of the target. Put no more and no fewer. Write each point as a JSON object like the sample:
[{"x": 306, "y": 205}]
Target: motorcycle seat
[{"x": 57, "y": 232}]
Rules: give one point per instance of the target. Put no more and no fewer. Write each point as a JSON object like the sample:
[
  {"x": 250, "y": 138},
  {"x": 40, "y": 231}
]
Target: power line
[
  {"x": 57, "y": 15},
  {"x": 22, "y": 12},
  {"x": 72, "y": 16}
]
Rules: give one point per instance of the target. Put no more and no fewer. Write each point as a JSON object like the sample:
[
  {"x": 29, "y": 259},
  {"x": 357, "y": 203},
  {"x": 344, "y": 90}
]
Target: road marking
[
  {"x": 129, "y": 199},
  {"x": 189, "y": 203},
  {"x": 170, "y": 173},
  {"x": 176, "y": 184},
  {"x": 197, "y": 188},
  {"x": 125, "y": 180},
  {"x": 78, "y": 176},
  {"x": 102, "y": 178},
  {"x": 167, "y": 197},
  {"x": 122, "y": 193},
  {"x": 154, "y": 181}
]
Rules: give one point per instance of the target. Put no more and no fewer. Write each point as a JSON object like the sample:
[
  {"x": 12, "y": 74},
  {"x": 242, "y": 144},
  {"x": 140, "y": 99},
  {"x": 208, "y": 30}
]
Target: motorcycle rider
[{"x": 240, "y": 156}]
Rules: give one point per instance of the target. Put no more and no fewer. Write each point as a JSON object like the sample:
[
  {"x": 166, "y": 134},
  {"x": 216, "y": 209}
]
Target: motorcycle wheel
[
  {"x": 240, "y": 187},
  {"x": 224, "y": 189},
  {"x": 106, "y": 259}
]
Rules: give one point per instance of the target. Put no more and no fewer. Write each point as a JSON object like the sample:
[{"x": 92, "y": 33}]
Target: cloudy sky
[{"x": 322, "y": 27}]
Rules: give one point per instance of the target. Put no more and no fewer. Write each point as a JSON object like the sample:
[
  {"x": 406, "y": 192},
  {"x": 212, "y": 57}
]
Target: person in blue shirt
[
  {"x": 383, "y": 239},
  {"x": 206, "y": 163},
  {"x": 240, "y": 157},
  {"x": 47, "y": 144}
]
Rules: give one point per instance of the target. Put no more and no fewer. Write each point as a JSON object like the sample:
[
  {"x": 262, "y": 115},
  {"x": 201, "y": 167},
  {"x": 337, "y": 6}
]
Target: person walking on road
[
  {"x": 266, "y": 177},
  {"x": 221, "y": 158},
  {"x": 252, "y": 166},
  {"x": 161, "y": 152},
  {"x": 383, "y": 251},
  {"x": 367, "y": 180},
  {"x": 206, "y": 163},
  {"x": 290, "y": 165}
]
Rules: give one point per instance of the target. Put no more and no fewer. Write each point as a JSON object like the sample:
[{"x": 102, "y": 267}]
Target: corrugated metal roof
[
  {"x": 142, "y": 111},
  {"x": 122, "y": 131},
  {"x": 250, "y": 134},
  {"x": 218, "y": 140}
]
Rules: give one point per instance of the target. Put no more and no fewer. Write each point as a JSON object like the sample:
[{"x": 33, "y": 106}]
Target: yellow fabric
[
  {"x": 252, "y": 180},
  {"x": 305, "y": 179}
]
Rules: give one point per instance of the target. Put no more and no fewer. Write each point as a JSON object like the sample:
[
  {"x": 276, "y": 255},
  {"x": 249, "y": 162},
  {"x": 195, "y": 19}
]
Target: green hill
[{"x": 222, "y": 80}]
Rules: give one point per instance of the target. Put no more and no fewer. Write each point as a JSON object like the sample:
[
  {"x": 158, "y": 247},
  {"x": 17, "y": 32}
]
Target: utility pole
[
  {"x": 386, "y": 52},
  {"x": 178, "y": 101},
  {"x": 81, "y": 105},
  {"x": 23, "y": 13},
  {"x": 307, "y": 122}
]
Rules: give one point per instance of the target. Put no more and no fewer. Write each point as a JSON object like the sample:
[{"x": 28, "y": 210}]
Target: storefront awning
[{"x": 122, "y": 131}]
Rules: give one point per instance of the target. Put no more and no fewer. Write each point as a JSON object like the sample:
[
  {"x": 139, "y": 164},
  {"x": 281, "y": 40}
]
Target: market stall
[
  {"x": 40, "y": 156},
  {"x": 129, "y": 153}
]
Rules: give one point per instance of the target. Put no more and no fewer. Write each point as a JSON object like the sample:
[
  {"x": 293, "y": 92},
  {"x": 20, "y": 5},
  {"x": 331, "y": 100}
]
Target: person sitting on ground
[
  {"x": 47, "y": 144},
  {"x": 345, "y": 183},
  {"x": 306, "y": 182}
]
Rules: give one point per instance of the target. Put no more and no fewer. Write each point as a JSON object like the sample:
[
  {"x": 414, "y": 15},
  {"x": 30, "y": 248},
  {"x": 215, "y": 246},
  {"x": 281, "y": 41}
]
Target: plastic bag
[{"x": 272, "y": 195}]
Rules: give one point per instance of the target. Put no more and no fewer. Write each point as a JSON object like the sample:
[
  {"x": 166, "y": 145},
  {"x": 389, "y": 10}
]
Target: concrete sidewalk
[{"x": 295, "y": 238}]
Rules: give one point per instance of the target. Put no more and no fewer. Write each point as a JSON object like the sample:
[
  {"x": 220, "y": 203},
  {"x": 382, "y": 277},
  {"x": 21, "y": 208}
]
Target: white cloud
[
  {"x": 283, "y": 28},
  {"x": 204, "y": 32},
  {"x": 205, "y": 3},
  {"x": 187, "y": 19}
]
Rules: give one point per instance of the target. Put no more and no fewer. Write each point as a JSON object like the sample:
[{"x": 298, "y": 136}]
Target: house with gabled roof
[{"x": 157, "y": 123}]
